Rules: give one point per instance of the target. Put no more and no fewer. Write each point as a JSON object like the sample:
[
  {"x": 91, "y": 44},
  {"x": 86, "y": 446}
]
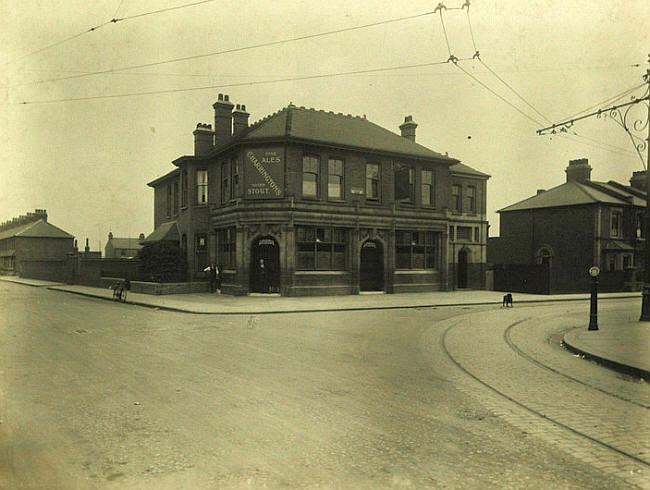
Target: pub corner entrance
[
  {"x": 265, "y": 266},
  {"x": 372, "y": 266}
]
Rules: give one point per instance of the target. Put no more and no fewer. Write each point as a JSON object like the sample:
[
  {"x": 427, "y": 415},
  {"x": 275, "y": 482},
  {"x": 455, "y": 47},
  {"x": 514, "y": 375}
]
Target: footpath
[{"x": 625, "y": 347}]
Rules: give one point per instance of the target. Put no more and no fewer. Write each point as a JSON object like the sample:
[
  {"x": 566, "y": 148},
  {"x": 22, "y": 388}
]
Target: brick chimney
[
  {"x": 540, "y": 191},
  {"x": 222, "y": 119},
  {"x": 578, "y": 170},
  {"x": 638, "y": 180},
  {"x": 408, "y": 128},
  {"x": 239, "y": 119},
  {"x": 203, "y": 139}
]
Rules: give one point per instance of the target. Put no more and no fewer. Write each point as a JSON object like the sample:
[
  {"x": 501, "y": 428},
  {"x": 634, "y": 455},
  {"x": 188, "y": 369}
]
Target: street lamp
[{"x": 593, "y": 309}]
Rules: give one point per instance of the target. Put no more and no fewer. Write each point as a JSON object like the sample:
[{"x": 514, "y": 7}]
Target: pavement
[{"x": 622, "y": 346}]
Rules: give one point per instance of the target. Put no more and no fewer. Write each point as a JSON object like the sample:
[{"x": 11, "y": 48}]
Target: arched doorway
[
  {"x": 462, "y": 268},
  {"x": 372, "y": 266},
  {"x": 265, "y": 266}
]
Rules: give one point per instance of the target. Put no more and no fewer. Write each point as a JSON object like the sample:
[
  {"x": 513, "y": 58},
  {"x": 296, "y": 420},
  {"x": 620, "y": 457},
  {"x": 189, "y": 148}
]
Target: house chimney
[
  {"x": 87, "y": 247},
  {"x": 110, "y": 235},
  {"x": 578, "y": 171},
  {"x": 540, "y": 191},
  {"x": 222, "y": 119},
  {"x": 239, "y": 119},
  {"x": 203, "y": 139},
  {"x": 141, "y": 237},
  {"x": 408, "y": 128},
  {"x": 638, "y": 180}
]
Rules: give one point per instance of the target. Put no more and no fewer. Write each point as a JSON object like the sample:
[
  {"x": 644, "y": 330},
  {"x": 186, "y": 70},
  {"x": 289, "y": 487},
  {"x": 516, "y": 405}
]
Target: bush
[{"x": 162, "y": 262}]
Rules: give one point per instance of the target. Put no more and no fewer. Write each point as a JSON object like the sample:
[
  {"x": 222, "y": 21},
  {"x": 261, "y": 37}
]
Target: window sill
[
  {"x": 373, "y": 202},
  {"x": 304, "y": 272},
  {"x": 416, "y": 271}
]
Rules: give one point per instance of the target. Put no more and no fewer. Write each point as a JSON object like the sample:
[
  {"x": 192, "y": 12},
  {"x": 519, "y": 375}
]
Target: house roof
[
  {"x": 574, "y": 193},
  {"x": 166, "y": 231},
  {"x": 158, "y": 180},
  {"x": 35, "y": 229},
  {"x": 125, "y": 243},
  {"x": 334, "y": 129},
  {"x": 461, "y": 168}
]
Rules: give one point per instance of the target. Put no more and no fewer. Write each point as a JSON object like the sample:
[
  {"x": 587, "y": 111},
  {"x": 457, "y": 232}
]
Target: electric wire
[
  {"x": 228, "y": 51},
  {"x": 230, "y": 85},
  {"x": 114, "y": 20},
  {"x": 610, "y": 100}
]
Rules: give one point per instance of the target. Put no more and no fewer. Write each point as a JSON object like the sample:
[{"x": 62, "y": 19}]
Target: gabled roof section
[
  {"x": 168, "y": 175},
  {"x": 462, "y": 169},
  {"x": 125, "y": 243},
  {"x": 574, "y": 193},
  {"x": 334, "y": 129},
  {"x": 35, "y": 229},
  {"x": 166, "y": 231}
]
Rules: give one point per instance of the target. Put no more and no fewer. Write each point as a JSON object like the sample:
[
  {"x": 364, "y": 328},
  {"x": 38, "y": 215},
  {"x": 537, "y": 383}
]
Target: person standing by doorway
[
  {"x": 263, "y": 277},
  {"x": 212, "y": 274},
  {"x": 218, "y": 279}
]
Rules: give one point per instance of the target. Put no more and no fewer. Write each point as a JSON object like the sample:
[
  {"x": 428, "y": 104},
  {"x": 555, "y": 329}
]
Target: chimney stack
[
  {"x": 203, "y": 138},
  {"x": 222, "y": 119},
  {"x": 239, "y": 119},
  {"x": 638, "y": 180},
  {"x": 408, "y": 128},
  {"x": 540, "y": 191},
  {"x": 141, "y": 237},
  {"x": 578, "y": 171},
  {"x": 110, "y": 235}
]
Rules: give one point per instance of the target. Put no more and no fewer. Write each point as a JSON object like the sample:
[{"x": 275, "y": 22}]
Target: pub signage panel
[{"x": 264, "y": 170}]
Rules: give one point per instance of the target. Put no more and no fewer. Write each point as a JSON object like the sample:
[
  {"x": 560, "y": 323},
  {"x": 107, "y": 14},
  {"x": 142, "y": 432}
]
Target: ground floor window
[
  {"x": 226, "y": 248},
  {"x": 416, "y": 249},
  {"x": 320, "y": 248},
  {"x": 201, "y": 251}
]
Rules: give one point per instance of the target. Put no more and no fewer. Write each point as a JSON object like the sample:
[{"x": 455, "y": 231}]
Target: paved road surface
[{"x": 103, "y": 395}]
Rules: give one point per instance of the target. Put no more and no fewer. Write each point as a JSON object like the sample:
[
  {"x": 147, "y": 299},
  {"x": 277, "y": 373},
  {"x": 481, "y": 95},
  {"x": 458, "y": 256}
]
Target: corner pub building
[{"x": 308, "y": 202}]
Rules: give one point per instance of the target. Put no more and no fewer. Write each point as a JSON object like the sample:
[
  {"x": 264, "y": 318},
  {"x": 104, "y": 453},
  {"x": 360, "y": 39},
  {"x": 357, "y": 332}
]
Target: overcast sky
[{"x": 88, "y": 161}]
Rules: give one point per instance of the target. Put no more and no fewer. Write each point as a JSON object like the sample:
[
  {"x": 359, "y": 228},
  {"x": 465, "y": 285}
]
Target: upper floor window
[
  {"x": 372, "y": 181},
  {"x": 427, "y": 187},
  {"x": 184, "y": 188},
  {"x": 234, "y": 179},
  {"x": 168, "y": 207},
  {"x": 335, "y": 179},
  {"x": 176, "y": 198},
  {"x": 225, "y": 182},
  {"x": 455, "y": 197},
  {"x": 404, "y": 183},
  {"x": 615, "y": 224},
  {"x": 471, "y": 199},
  {"x": 310, "y": 166},
  {"x": 201, "y": 186}
]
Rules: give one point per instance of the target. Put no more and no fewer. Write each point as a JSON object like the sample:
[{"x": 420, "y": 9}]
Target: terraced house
[{"x": 309, "y": 202}]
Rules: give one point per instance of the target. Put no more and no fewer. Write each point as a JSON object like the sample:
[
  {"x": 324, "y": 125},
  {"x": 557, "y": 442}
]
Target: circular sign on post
[{"x": 594, "y": 271}]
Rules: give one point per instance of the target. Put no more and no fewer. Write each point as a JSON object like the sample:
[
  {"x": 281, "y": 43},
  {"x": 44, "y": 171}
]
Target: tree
[{"x": 163, "y": 261}]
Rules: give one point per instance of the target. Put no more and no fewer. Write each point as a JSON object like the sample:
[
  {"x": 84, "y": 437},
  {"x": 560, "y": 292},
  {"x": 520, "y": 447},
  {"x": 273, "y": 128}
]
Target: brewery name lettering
[{"x": 260, "y": 189}]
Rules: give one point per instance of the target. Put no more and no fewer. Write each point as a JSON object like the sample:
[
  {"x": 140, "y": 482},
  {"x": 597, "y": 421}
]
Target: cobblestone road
[{"x": 517, "y": 367}]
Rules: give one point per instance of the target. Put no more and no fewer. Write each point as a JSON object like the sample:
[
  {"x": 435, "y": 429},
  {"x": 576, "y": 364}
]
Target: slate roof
[
  {"x": 461, "y": 168},
  {"x": 166, "y": 231},
  {"x": 35, "y": 229},
  {"x": 133, "y": 243},
  {"x": 574, "y": 193},
  {"x": 334, "y": 129}
]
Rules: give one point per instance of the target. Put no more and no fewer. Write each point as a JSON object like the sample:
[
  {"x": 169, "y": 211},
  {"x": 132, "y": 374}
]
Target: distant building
[
  {"x": 549, "y": 241},
  {"x": 122, "y": 247},
  {"x": 310, "y": 202},
  {"x": 31, "y": 238}
]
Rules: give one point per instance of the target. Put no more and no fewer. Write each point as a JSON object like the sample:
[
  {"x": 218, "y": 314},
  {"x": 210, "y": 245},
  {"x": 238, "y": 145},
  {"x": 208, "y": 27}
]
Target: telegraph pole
[{"x": 619, "y": 113}]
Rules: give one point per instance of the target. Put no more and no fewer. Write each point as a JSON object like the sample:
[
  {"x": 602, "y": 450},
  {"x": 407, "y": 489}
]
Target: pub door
[
  {"x": 265, "y": 266},
  {"x": 462, "y": 269},
  {"x": 372, "y": 266}
]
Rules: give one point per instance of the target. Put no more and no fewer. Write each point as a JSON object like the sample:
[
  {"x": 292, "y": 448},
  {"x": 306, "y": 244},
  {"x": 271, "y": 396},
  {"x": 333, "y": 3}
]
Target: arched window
[{"x": 544, "y": 256}]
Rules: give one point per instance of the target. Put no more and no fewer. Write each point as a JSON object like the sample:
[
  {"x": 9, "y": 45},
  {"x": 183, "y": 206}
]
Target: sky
[{"x": 87, "y": 161}]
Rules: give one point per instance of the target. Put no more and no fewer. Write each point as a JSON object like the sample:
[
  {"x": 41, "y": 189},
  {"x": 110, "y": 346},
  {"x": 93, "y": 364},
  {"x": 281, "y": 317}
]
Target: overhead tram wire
[
  {"x": 609, "y": 100},
  {"x": 114, "y": 20},
  {"x": 567, "y": 135},
  {"x": 228, "y": 51},
  {"x": 238, "y": 84}
]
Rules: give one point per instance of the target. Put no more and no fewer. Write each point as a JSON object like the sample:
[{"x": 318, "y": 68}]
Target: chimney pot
[
  {"x": 408, "y": 128},
  {"x": 638, "y": 180},
  {"x": 578, "y": 170}
]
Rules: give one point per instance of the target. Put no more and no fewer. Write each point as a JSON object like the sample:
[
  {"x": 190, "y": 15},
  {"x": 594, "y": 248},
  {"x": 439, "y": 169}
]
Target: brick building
[
  {"x": 122, "y": 247},
  {"x": 31, "y": 238},
  {"x": 549, "y": 241},
  {"x": 308, "y": 202}
]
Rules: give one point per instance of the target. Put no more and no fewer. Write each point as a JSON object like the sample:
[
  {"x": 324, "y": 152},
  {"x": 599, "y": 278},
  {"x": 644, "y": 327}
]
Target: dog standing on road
[{"x": 507, "y": 300}]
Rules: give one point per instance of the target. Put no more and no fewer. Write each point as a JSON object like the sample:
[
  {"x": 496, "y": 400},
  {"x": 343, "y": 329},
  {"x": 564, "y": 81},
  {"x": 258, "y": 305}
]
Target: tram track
[
  {"x": 528, "y": 357},
  {"x": 528, "y": 408}
]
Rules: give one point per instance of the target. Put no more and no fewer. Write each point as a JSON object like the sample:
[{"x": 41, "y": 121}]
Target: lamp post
[{"x": 593, "y": 309}]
